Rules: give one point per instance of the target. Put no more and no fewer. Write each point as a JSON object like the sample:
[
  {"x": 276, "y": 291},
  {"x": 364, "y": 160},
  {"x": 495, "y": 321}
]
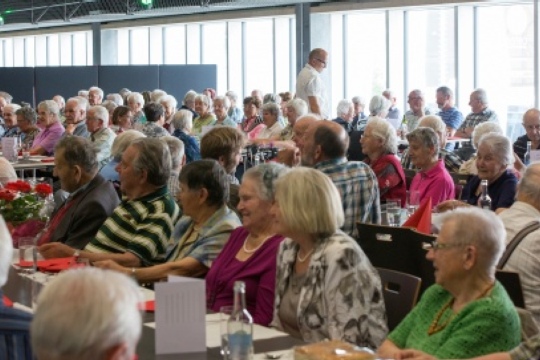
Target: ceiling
[{"x": 30, "y": 14}]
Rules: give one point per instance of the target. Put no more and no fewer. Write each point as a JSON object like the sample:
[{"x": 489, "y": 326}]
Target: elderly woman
[
  {"x": 203, "y": 106},
  {"x": 432, "y": 180},
  {"x": 201, "y": 233},
  {"x": 272, "y": 128},
  {"x": 10, "y": 120},
  {"x": 121, "y": 119},
  {"x": 188, "y": 103},
  {"x": 378, "y": 107},
  {"x": 235, "y": 113},
  {"x": 110, "y": 106},
  {"x": 327, "y": 287},
  {"x": 467, "y": 312},
  {"x": 379, "y": 144},
  {"x": 295, "y": 109},
  {"x": 182, "y": 123},
  {"x": 469, "y": 166},
  {"x": 452, "y": 162},
  {"x": 169, "y": 104},
  {"x": 120, "y": 144},
  {"x": 155, "y": 118},
  {"x": 221, "y": 109},
  {"x": 51, "y": 129},
  {"x": 26, "y": 121},
  {"x": 252, "y": 123},
  {"x": 345, "y": 114},
  {"x": 492, "y": 160},
  {"x": 250, "y": 254},
  {"x": 135, "y": 102}
]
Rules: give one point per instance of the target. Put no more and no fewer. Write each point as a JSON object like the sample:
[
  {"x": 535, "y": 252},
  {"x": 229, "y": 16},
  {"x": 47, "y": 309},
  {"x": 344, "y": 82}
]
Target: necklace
[
  {"x": 435, "y": 327},
  {"x": 254, "y": 249},
  {"x": 302, "y": 259}
]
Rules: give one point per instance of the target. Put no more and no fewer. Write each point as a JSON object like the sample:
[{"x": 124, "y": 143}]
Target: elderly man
[
  {"x": 14, "y": 324},
  {"x": 451, "y": 116},
  {"x": 87, "y": 314},
  {"x": 531, "y": 123},
  {"x": 91, "y": 198},
  {"x": 324, "y": 147},
  {"x": 75, "y": 113},
  {"x": 309, "y": 84},
  {"x": 95, "y": 95},
  {"x": 345, "y": 115},
  {"x": 393, "y": 112},
  {"x": 138, "y": 231},
  {"x": 418, "y": 109},
  {"x": 359, "y": 116},
  {"x": 97, "y": 122},
  {"x": 51, "y": 128},
  {"x": 480, "y": 113}
]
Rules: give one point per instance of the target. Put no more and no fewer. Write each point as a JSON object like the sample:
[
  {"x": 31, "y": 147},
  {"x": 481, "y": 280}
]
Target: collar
[
  {"x": 162, "y": 191},
  {"x": 80, "y": 190},
  {"x": 103, "y": 129},
  {"x": 434, "y": 170},
  {"x": 526, "y": 208},
  {"x": 311, "y": 68}
]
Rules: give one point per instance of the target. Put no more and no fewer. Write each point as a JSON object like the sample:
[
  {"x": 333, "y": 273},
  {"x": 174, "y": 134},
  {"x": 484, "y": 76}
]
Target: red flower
[
  {"x": 43, "y": 189},
  {"x": 7, "y": 194},
  {"x": 19, "y": 185}
]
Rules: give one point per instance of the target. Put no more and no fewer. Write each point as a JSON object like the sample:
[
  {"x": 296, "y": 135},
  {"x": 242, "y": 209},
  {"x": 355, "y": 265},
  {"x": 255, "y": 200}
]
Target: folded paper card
[
  {"x": 421, "y": 218},
  {"x": 52, "y": 265}
]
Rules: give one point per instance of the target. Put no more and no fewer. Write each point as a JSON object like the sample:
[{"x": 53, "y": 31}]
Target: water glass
[
  {"x": 393, "y": 212},
  {"x": 224, "y": 315},
  {"x": 413, "y": 201},
  {"x": 28, "y": 252}
]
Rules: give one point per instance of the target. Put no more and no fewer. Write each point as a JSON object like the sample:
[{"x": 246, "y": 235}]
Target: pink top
[
  {"x": 258, "y": 272},
  {"x": 48, "y": 137},
  {"x": 435, "y": 183}
]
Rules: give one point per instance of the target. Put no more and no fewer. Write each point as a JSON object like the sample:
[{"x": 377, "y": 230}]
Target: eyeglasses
[
  {"x": 532, "y": 127},
  {"x": 440, "y": 246},
  {"x": 321, "y": 61}
]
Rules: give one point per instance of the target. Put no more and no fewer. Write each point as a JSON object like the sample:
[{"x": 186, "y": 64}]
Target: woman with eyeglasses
[{"x": 467, "y": 313}]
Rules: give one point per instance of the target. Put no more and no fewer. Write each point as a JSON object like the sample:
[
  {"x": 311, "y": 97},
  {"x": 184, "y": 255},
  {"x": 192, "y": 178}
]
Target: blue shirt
[
  {"x": 191, "y": 147},
  {"x": 502, "y": 191},
  {"x": 14, "y": 333},
  {"x": 451, "y": 117}
]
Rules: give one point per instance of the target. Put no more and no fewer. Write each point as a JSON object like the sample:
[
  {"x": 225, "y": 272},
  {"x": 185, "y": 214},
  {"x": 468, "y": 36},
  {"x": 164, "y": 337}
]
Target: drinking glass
[
  {"x": 224, "y": 315},
  {"x": 28, "y": 252},
  {"x": 393, "y": 212},
  {"x": 413, "y": 201}
]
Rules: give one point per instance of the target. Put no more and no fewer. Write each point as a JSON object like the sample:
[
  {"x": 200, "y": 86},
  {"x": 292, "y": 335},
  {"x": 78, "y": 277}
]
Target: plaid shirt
[
  {"x": 359, "y": 191},
  {"x": 529, "y": 349},
  {"x": 474, "y": 119},
  {"x": 452, "y": 162}
]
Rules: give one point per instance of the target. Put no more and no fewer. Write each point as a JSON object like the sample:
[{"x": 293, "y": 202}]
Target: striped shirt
[
  {"x": 142, "y": 227},
  {"x": 14, "y": 333},
  {"x": 473, "y": 119},
  {"x": 359, "y": 191},
  {"x": 452, "y": 162},
  {"x": 529, "y": 349}
]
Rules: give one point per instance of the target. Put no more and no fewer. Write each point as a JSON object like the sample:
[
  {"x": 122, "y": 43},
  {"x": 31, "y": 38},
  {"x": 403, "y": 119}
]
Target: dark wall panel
[
  {"x": 179, "y": 79},
  {"x": 19, "y": 82},
  {"x": 63, "y": 80},
  {"x": 135, "y": 78}
]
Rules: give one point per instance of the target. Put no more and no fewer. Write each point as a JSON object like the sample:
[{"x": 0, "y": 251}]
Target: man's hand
[
  {"x": 111, "y": 265},
  {"x": 55, "y": 250}
]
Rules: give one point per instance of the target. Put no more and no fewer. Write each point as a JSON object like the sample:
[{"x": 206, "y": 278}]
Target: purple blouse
[
  {"x": 48, "y": 137},
  {"x": 258, "y": 272}
]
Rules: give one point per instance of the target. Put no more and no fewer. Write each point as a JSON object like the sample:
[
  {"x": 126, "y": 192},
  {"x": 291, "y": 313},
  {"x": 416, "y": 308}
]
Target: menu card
[
  {"x": 9, "y": 148},
  {"x": 180, "y": 316}
]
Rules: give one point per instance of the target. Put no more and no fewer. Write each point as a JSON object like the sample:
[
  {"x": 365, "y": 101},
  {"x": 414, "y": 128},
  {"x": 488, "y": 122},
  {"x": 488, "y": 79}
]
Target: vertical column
[
  {"x": 96, "y": 43},
  {"x": 303, "y": 35}
]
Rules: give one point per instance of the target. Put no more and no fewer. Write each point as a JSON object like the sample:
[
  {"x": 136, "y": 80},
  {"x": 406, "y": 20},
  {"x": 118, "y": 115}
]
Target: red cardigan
[{"x": 391, "y": 178}]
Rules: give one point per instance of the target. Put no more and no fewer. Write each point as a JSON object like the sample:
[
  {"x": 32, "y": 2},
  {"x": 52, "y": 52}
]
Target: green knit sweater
[{"x": 490, "y": 324}]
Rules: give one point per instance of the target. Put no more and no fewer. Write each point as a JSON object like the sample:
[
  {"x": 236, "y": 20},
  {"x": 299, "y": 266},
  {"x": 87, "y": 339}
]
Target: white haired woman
[
  {"x": 467, "y": 313},
  {"x": 135, "y": 102},
  {"x": 492, "y": 160},
  {"x": 327, "y": 287},
  {"x": 379, "y": 144},
  {"x": 272, "y": 128},
  {"x": 169, "y": 104},
  {"x": 469, "y": 166},
  {"x": 345, "y": 114},
  {"x": 10, "y": 120},
  {"x": 182, "y": 123},
  {"x": 235, "y": 113},
  {"x": 378, "y": 107},
  {"x": 203, "y": 107},
  {"x": 221, "y": 109}
]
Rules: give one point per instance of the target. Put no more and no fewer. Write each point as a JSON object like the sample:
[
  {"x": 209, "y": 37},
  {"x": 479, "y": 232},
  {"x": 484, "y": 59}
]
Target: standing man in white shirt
[{"x": 309, "y": 85}]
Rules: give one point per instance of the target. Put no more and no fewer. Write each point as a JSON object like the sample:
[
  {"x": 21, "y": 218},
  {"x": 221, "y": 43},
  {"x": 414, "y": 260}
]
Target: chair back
[
  {"x": 400, "y": 293},
  {"x": 512, "y": 283},
  {"x": 409, "y": 176}
]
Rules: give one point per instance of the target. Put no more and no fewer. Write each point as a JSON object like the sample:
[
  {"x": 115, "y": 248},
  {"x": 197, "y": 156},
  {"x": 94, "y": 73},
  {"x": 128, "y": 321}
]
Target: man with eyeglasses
[
  {"x": 309, "y": 84},
  {"x": 531, "y": 123}
]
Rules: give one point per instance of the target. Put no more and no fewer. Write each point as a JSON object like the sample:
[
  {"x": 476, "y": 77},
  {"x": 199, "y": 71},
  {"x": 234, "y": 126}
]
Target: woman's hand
[
  {"x": 413, "y": 354},
  {"x": 56, "y": 250},
  {"x": 450, "y": 205},
  {"x": 111, "y": 265}
]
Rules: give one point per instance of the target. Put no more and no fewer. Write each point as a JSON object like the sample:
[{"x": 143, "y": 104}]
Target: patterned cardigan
[{"x": 341, "y": 297}]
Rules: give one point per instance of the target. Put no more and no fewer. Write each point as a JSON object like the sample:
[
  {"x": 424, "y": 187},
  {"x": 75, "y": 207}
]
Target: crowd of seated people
[{"x": 154, "y": 192}]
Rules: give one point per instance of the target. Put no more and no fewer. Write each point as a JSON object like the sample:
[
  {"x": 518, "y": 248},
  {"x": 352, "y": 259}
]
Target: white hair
[
  {"x": 82, "y": 103},
  {"x": 481, "y": 95},
  {"x": 6, "y": 251},
  {"x": 83, "y": 313},
  {"x": 157, "y": 94},
  {"x": 190, "y": 96},
  {"x": 182, "y": 120},
  {"x": 358, "y": 100},
  {"x": 343, "y": 107},
  {"x": 224, "y": 99},
  {"x": 13, "y": 107},
  {"x": 433, "y": 121},
  {"x": 205, "y": 99},
  {"x": 379, "y": 105},
  {"x": 96, "y": 89},
  {"x": 50, "y": 106},
  {"x": 300, "y": 106},
  {"x": 232, "y": 95},
  {"x": 176, "y": 148},
  {"x": 500, "y": 146},
  {"x": 137, "y": 97},
  {"x": 381, "y": 129},
  {"x": 169, "y": 100},
  {"x": 101, "y": 113},
  {"x": 122, "y": 142},
  {"x": 116, "y": 98},
  {"x": 484, "y": 128}
]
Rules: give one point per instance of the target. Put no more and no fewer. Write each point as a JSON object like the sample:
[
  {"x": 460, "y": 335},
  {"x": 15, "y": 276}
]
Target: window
[
  {"x": 259, "y": 66},
  {"x": 214, "y": 51},
  {"x": 175, "y": 44},
  {"x": 139, "y": 46}
]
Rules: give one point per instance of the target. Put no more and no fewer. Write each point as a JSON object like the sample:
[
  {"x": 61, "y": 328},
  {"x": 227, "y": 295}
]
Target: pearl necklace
[
  {"x": 256, "y": 248},
  {"x": 302, "y": 259}
]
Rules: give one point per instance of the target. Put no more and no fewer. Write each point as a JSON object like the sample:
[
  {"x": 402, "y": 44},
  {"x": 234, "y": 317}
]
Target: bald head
[
  {"x": 324, "y": 140},
  {"x": 300, "y": 127},
  {"x": 528, "y": 190},
  {"x": 531, "y": 123}
]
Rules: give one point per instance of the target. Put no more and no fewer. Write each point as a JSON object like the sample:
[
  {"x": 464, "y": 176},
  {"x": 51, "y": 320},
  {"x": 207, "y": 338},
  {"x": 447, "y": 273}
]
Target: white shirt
[
  {"x": 309, "y": 83},
  {"x": 273, "y": 131}
]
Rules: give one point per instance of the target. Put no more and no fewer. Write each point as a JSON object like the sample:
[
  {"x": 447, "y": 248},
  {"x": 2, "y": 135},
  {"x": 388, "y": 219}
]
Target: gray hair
[
  {"x": 343, "y": 107},
  {"x": 190, "y": 96},
  {"x": 96, "y": 89},
  {"x": 79, "y": 151},
  {"x": 272, "y": 108},
  {"x": 482, "y": 228},
  {"x": 382, "y": 129},
  {"x": 446, "y": 91},
  {"x": 157, "y": 94},
  {"x": 300, "y": 106},
  {"x": 169, "y": 100},
  {"x": 426, "y": 136},
  {"x": 500, "y": 146},
  {"x": 358, "y": 100},
  {"x": 265, "y": 176},
  {"x": 232, "y": 95},
  {"x": 84, "y": 313},
  {"x": 122, "y": 141},
  {"x": 433, "y": 121},
  {"x": 109, "y": 105},
  {"x": 205, "y": 99},
  {"x": 6, "y": 96},
  {"x": 83, "y": 93},
  {"x": 28, "y": 114},
  {"x": 418, "y": 93},
  {"x": 224, "y": 99},
  {"x": 101, "y": 113},
  {"x": 176, "y": 148},
  {"x": 481, "y": 95},
  {"x": 137, "y": 97},
  {"x": 50, "y": 106},
  {"x": 379, "y": 105},
  {"x": 271, "y": 98},
  {"x": 154, "y": 158},
  {"x": 182, "y": 119},
  {"x": 116, "y": 98},
  {"x": 529, "y": 185},
  {"x": 82, "y": 103},
  {"x": 484, "y": 128},
  {"x": 6, "y": 252},
  {"x": 13, "y": 107}
]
